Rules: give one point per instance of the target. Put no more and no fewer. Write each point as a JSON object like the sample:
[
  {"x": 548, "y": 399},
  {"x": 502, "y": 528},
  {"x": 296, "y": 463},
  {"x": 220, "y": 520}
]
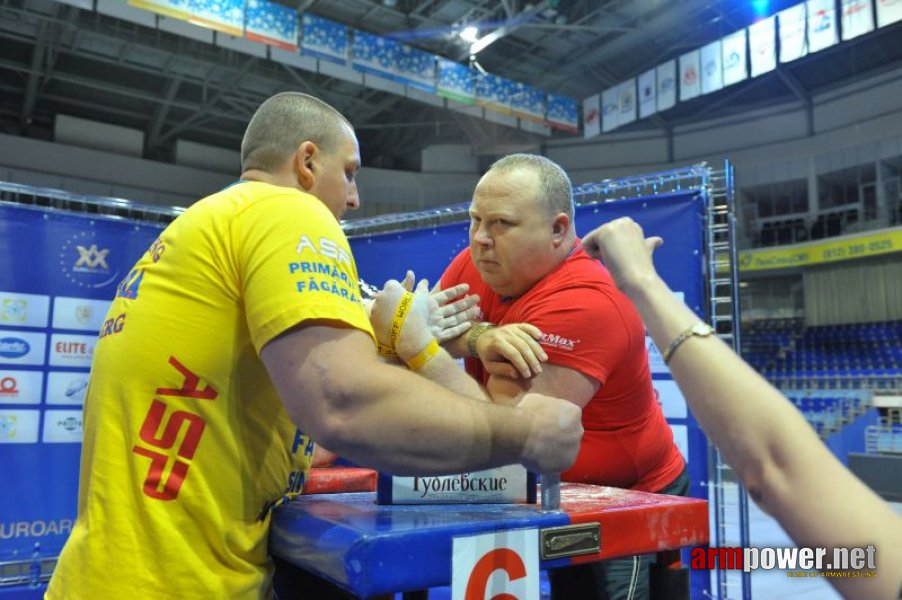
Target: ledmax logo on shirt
[{"x": 552, "y": 339}]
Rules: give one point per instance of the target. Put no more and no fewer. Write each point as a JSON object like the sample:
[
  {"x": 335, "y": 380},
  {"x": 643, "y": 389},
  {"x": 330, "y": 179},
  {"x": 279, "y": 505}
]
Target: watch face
[{"x": 702, "y": 329}]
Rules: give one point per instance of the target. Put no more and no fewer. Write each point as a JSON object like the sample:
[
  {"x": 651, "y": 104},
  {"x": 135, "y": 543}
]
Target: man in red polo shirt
[{"x": 526, "y": 264}]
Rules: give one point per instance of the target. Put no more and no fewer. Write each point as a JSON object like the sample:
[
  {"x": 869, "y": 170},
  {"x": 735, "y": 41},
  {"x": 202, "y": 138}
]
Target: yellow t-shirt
[{"x": 187, "y": 446}]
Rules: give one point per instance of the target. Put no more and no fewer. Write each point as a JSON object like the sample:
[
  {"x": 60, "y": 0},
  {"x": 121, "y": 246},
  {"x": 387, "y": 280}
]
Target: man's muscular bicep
[{"x": 554, "y": 380}]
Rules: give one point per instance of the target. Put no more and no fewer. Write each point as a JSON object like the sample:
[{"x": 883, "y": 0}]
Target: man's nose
[
  {"x": 481, "y": 237},
  {"x": 353, "y": 202}
]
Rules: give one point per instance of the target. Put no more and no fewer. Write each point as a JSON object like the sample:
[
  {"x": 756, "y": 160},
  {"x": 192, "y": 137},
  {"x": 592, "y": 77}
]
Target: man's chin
[{"x": 493, "y": 281}]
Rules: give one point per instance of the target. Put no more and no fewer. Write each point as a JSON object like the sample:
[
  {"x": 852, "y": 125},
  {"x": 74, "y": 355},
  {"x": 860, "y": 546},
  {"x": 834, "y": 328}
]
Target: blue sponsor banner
[
  {"x": 374, "y": 54},
  {"x": 528, "y": 102},
  {"x": 456, "y": 81},
  {"x": 562, "y": 113},
  {"x": 679, "y": 218},
  {"x": 494, "y": 92},
  {"x": 324, "y": 39},
  {"x": 415, "y": 68},
  {"x": 58, "y": 273},
  {"x": 271, "y": 23}
]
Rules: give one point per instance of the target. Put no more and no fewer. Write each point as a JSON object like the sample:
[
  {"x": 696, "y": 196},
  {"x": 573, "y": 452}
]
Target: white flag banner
[
  {"x": 647, "y": 94},
  {"x": 733, "y": 58},
  {"x": 690, "y": 85},
  {"x": 610, "y": 109},
  {"x": 712, "y": 72},
  {"x": 888, "y": 12},
  {"x": 822, "y": 29},
  {"x": 591, "y": 116},
  {"x": 857, "y": 18},
  {"x": 665, "y": 74},
  {"x": 793, "y": 44},
  {"x": 627, "y": 102},
  {"x": 763, "y": 46}
]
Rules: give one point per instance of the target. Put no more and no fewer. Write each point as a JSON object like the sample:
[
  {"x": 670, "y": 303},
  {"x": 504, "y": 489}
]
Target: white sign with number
[{"x": 501, "y": 563}]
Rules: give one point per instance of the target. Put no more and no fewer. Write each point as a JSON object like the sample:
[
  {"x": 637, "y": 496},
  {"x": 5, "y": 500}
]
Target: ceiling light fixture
[{"x": 469, "y": 34}]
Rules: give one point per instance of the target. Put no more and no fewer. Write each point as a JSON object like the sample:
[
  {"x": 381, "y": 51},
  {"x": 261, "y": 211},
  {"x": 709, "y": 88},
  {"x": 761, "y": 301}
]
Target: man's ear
[
  {"x": 303, "y": 164},
  {"x": 560, "y": 228}
]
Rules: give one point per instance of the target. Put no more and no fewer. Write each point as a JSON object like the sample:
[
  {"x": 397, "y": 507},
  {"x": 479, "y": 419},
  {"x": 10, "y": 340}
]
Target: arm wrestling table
[{"x": 372, "y": 549}]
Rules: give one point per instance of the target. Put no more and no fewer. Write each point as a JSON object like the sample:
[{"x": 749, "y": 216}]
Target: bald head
[
  {"x": 554, "y": 188},
  {"x": 282, "y": 123}
]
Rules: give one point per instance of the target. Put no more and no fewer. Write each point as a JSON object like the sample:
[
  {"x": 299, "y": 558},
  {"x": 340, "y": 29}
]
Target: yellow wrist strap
[
  {"x": 424, "y": 356},
  {"x": 386, "y": 351},
  {"x": 398, "y": 320}
]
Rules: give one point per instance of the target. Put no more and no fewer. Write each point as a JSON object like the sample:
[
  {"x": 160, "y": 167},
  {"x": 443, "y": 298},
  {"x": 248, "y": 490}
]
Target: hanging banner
[
  {"x": 324, "y": 39},
  {"x": 647, "y": 94},
  {"x": 456, "y": 81},
  {"x": 690, "y": 84},
  {"x": 733, "y": 58},
  {"x": 374, "y": 54},
  {"x": 888, "y": 12},
  {"x": 763, "y": 46},
  {"x": 271, "y": 23},
  {"x": 822, "y": 30},
  {"x": 226, "y": 16},
  {"x": 626, "y": 101},
  {"x": 592, "y": 116},
  {"x": 610, "y": 109},
  {"x": 865, "y": 245},
  {"x": 712, "y": 71},
  {"x": 562, "y": 113},
  {"x": 793, "y": 42},
  {"x": 528, "y": 103},
  {"x": 857, "y": 18},
  {"x": 415, "y": 68},
  {"x": 222, "y": 15},
  {"x": 52, "y": 306},
  {"x": 493, "y": 92},
  {"x": 665, "y": 74}
]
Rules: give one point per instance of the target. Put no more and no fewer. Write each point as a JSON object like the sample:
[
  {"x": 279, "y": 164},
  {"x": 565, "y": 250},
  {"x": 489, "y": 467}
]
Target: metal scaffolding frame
[{"x": 728, "y": 498}]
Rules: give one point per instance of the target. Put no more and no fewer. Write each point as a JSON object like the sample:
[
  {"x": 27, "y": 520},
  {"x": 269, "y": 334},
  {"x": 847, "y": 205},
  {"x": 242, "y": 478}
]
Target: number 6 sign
[{"x": 502, "y": 565}]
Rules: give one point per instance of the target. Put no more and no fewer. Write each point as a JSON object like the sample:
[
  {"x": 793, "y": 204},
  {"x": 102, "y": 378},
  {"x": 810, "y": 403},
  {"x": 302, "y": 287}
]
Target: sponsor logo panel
[
  {"x": 63, "y": 426},
  {"x": 22, "y": 347},
  {"x": 23, "y": 310},
  {"x": 79, "y": 313},
  {"x": 66, "y": 387},
  {"x": 71, "y": 350},
  {"x": 19, "y": 426},
  {"x": 20, "y": 387}
]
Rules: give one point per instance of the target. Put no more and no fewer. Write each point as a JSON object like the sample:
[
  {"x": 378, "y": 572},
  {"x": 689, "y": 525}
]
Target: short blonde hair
[{"x": 555, "y": 189}]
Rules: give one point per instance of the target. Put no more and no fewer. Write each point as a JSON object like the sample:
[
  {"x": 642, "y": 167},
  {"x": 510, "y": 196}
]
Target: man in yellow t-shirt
[{"x": 238, "y": 337}]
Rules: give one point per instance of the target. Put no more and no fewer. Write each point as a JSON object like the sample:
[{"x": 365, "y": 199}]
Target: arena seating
[
  {"x": 831, "y": 373},
  {"x": 850, "y": 356}
]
